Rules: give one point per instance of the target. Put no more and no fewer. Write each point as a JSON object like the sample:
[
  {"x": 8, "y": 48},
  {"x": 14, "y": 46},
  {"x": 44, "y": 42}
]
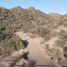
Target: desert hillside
[{"x": 51, "y": 27}]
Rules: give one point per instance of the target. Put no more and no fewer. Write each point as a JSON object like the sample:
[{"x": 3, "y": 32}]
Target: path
[{"x": 35, "y": 51}]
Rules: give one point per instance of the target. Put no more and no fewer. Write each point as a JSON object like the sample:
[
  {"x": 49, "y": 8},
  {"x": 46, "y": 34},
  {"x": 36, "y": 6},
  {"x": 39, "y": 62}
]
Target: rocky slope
[{"x": 48, "y": 26}]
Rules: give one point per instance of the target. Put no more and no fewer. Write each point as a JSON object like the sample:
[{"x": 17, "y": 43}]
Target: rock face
[{"x": 36, "y": 22}]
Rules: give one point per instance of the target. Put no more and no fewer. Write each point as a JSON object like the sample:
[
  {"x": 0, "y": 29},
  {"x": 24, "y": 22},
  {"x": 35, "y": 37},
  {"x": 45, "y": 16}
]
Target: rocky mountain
[
  {"x": 52, "y": 27},
  {"x": 54, "y": 14}
]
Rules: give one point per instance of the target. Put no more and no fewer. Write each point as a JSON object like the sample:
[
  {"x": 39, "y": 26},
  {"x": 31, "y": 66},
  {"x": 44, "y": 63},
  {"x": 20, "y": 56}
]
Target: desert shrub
[
  {"x": 60, "y": 43},
  {"x": 62, "y": 38},
  {"x": 65, "y": 52},
  {"x": 56, "y": 53},
  {"x": 53, "y": 33},
  {"x": 63, "y": 34},
  {"x": 11, "y": 45},
  {"x": 45, "y": 33}
]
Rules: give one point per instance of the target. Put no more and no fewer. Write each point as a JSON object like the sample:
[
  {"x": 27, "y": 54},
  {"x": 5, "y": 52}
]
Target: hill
[{"x": 39, "y": 23}]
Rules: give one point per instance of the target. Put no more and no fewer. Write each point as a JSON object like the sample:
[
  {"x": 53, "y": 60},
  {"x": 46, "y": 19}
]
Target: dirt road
[{"x": 35, "y": 51}]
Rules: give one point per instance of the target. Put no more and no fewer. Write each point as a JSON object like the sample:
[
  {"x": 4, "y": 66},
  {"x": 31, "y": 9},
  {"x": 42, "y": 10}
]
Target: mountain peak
[
  {"x": 54, "y": 14},
  {"x": 17, "y": 9},
  {"x": 31, "y": 8}
]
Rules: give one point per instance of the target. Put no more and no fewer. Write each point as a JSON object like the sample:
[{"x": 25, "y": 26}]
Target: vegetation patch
[{"x": 11, "y": 45}]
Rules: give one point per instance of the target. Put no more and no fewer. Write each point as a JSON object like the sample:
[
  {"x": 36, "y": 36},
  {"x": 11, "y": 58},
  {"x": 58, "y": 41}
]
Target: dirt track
[{"x": 35, "y": 51}]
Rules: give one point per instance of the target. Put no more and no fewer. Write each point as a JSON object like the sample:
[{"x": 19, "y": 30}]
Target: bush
[
  {"x": 11, "y": 45},
  {"x": 65, "y": 52}
]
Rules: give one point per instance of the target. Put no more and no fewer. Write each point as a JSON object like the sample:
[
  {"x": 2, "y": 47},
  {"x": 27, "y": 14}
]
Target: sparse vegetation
[
  {"x": 65, "y": 52},
  {"x": 55, "y": 53},
  {"x": 58, "y": 49},
  {"x": 35, "y": 22},
  {"x": 11, "y": 45}
]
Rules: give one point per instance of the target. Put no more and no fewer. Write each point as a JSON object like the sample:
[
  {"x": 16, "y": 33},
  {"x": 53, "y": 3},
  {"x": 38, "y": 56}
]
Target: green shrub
[{"x": 11, "y": 45}]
